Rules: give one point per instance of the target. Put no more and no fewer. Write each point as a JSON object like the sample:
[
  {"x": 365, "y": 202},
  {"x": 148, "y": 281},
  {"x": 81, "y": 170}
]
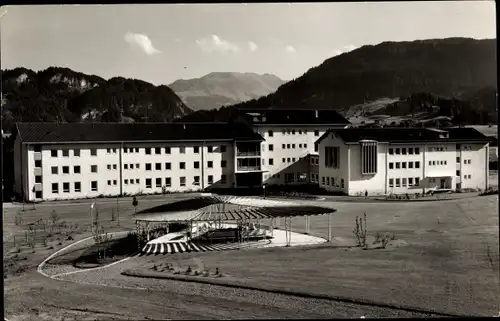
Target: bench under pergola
[{"x": 217, "y": 210}]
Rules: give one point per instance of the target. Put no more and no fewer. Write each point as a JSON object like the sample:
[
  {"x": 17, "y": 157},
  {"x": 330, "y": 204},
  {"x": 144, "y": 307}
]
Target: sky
[{"x": 161, "y": 43}]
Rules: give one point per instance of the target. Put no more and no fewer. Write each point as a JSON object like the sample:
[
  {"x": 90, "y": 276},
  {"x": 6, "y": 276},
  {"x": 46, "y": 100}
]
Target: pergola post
[{"x": 329, "y": 227}]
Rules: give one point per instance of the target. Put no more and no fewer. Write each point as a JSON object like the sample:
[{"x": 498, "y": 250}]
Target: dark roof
[
  {"x": 292, "y": 116},
  {"x": 120, "y": 132},
  {"x": 407, "y": 135}
]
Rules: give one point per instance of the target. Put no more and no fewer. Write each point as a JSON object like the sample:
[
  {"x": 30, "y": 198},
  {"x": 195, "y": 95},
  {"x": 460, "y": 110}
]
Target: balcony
[
  {"x": 254, "y": 168},
  {"x": 253, "y": 153}
]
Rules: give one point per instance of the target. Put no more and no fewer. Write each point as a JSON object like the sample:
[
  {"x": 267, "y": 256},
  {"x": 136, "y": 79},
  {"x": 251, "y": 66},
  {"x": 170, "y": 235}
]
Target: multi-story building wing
[
  {"x": 402, "y": 160},
  {"x": 289, "y": 154},
  {"x": 65, "y": 161}
]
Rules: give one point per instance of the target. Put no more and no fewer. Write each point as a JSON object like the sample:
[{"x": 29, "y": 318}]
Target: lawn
[{"x": 445, "y": 257}]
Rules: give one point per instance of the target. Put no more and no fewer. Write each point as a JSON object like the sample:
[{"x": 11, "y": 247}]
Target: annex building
[{"x": 402, "y": 160}]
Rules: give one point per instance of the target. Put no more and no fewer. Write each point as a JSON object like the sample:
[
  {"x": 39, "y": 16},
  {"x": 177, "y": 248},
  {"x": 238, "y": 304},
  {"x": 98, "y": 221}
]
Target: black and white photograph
[{"x": 196, "y": 161}]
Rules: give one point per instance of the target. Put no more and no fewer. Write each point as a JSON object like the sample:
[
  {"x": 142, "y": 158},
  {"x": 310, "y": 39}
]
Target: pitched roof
[
  {"x": 406, "y": 135},
  {"x": 292, "y": 116},
  {"x": 120, "y": 132}
]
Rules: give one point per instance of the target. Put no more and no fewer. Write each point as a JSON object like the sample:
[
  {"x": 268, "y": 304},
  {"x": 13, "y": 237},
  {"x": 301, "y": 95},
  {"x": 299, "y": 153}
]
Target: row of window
[
  {"x": 147, "y": 150},
  {"x": 77, "y": 187},
  {"x": 270, "y": 133},
  {"x": 289, "y": 146},
  {"x": 404, "y": 182},
  {"x": 398, "y": 165},
  {"x": 466, "y": 161},
  {"x": 336, "y": 182},
  {"x": 167, "y": 182},
  {"x": 404, "y": 151}
]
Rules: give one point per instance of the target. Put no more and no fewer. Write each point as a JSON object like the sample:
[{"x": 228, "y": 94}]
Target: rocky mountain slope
[
  {"x": 455, "y": 75},
  {"x": 224, "y": 88},
  {"x": 63, "y": 95}
]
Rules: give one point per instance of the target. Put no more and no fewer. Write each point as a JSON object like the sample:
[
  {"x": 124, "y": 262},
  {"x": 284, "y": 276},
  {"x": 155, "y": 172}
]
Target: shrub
[
  {"x": 385, "y": 240},
  {"x": 377, "y": 238},
  {"x": 360, "y": 231}
]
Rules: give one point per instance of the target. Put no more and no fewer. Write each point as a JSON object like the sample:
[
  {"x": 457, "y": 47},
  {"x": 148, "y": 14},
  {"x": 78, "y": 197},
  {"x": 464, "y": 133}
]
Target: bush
[{"x": 385, "y": 240}]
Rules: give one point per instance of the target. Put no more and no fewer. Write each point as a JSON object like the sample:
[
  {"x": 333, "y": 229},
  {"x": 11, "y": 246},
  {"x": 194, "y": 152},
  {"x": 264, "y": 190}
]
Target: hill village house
[{"x": 68, "y": 161}]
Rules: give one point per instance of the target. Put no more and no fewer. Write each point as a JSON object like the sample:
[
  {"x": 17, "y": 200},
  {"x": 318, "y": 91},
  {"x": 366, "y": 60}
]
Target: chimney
[{"x": 316, "y": 113}]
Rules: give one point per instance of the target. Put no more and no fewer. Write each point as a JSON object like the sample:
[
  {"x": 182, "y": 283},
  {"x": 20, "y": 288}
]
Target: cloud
[
  {"x": 142, "y": 41},
  {"x": 252, "y": 46},
  {"x": 216, "y": 43},
  {"x": 344, "y": 49},
  {"x": 289, "y": 48}
]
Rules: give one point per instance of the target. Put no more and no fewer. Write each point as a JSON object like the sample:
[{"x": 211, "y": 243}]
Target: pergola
[{"x": 216, "y": 209}]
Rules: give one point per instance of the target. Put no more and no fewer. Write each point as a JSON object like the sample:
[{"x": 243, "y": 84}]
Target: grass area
[{"x": 444, "y": 257}]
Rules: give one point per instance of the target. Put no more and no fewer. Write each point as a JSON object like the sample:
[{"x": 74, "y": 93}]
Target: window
[
  {"x": 283, "y": 160},
  {"x": 469, "y": 176},
  {"x": 398, "y": 182},
  {"x": 158, "y": 150},
  {"x": 223, "y": 163},
  {"x": 93, "y": 152},
  {"x": 293, "y": 131},
  {"x": 458, "y": 160},
  {"x": 300, "y": 145},
  {"x": 430, "y": 163},
  {"x": 196, "y": 180},
  {"x": 182, "y": 150},
  {"x": 148, "y": 166},
  {"x": 293, "y": 159},
  {"x": 55, "y": 188},
  {"x": 147, "y": 150},
  {"x": 109, "y": 182},
  {"x": 263, "y": 161},
  {"x": 469, "y": 161},
  {"x": 271, "y": 147},
  {"x": 417, "y": 181},
  {"x": 158, "y": 182},
  {"x": 210, "y": 164},
  {"x": 210, "y": 149},
  {"x": 288, "y": 160},
  {"x": 223, "y": 149},
  {"x": 210, "y": 179},
  {"x": 114, "y": 166},
  {"x": 196, "y": 165},
  {"x": 404, "y": 182},
  {"x": 168, "y": 181},
  {"x": 398, "y": 151},
  {"x": 465, "y": 161},
  {"x": 37, "y": 148},
  {"x": 65, "y": 169},
  {"x": 342, "y": 183},
  {"x": 328, "y": 180},
  {"x": 38, "y": 163},
  {"x": 125, "y": 166},
  {"x": 332, "y": 157},
  {"x": 410, "y": 150},
  {"x": 458, "y": 173},
  {"x": 391, "y": 151},
  {"x": 108, "y": 150},
  {"x": 293, "y": 145},
  {"x": 168, "y": 166},
  {"x": 410, "y": 181},
  {"x": 398, "y": 165},
  {"x": 158, "y": 166},
  {"x": 136, "y": 166},
  {"x": 403, "y": 165},
  {"x": 125, "y": 150},
  {"x": 271, "y": 161},
  {"x": 316, "y": 147},
  {"x": 182, "y": 181},
  {"x": 290, "y": 178},
  {"x": 417, "y": 164},
  {"x": 223, "y": 179},
  {"x": 270, "y": 133},
  {"x": 109, "y": 166},
  {"x": 125, "y": 181},
  {"x": 38, "y": 194},
  {"x": 167, "y": 150},
  {"x": 53, "y": 153},
  {"x": 196, "y": 150},
  {"x": 441, "y": 162},
  {"x": 137, "y": 181},
  {"x": 54, "y": 170},
  {"x": 391, "y": 182},
  {"x": 403, "y": 151},
  {"x": 93, "y": 168},
  {"x": 465, "y": 176},
  {"x": 417, "y": 151},
  {"x": 283, "y": 146},
  {"x": 182, "y": 165},
  {"x": 131, "y": 166},
  {"x": 316, "y": 133},
  {"x": 76, "y": 152},
  {"x": 322, "y": 180},
  {"x": 410, "y": 164},
  {"x": 38, "y": 179},
  {"x": 93, "y": 186},
  {"x": 148, "y": 183},
  {"x": 288, "y": 146}
]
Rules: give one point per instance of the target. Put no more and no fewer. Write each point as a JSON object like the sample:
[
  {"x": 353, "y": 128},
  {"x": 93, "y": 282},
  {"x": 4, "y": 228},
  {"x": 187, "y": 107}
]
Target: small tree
[
  {"x": 360, "y": 231},
  {"x": 135, "y": 203}
]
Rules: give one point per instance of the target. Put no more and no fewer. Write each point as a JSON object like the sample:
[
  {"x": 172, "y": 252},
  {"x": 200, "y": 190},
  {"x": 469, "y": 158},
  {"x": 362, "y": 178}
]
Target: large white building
[
  {"x": 402, "y": 160},
  {"x": 67, "y": 161},
  {"x": 288, "y": 152}
]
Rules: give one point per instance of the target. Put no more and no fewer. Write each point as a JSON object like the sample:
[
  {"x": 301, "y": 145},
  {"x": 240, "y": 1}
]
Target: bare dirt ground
[{"x": 444, "y": 258}]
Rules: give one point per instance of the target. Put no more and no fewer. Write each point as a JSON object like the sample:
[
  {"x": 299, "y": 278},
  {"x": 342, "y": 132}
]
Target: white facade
[
  {"x": 69, "y": 171},
  {"x": 284, "y": 148},
  {"x": 400, "y": 169}
]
